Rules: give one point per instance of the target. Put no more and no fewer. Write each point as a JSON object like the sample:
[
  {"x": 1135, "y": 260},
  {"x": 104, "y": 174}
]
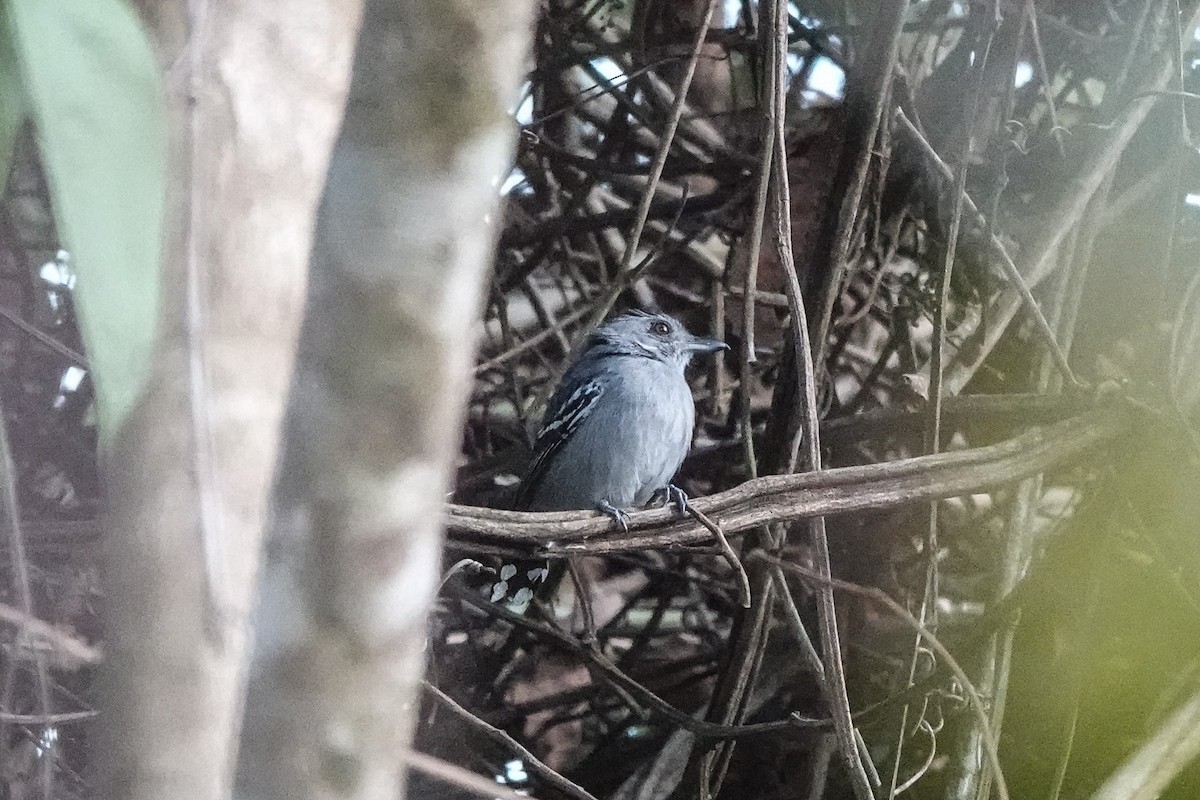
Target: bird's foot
[
  {"x": 673, "y": 495},
  {"x": 615, "y": 514}
]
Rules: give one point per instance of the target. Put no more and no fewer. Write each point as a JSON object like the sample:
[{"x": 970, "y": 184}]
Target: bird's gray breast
[{"x": 629, "y": 446}]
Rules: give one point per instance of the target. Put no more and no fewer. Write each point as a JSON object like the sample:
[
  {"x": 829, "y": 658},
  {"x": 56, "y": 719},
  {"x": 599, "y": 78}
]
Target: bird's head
[{"x": 657, "y": 336}]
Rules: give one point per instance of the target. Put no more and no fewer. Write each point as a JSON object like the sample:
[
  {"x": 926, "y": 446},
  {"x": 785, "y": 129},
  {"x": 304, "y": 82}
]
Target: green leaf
[
  {"x": 95, "y": 93},
  {"x": 12, "y": 100}
]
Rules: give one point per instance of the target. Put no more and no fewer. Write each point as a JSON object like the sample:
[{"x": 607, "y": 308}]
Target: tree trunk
[
  {"x": 256, "y": 92},
  {"x": 405, "y": 238}
]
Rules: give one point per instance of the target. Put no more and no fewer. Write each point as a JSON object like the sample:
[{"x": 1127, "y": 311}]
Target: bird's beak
[{"x": 701, "y": 345}]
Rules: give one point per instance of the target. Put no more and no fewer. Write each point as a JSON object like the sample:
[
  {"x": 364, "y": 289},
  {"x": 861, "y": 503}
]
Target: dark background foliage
[{"x": 1068, "y": 595}]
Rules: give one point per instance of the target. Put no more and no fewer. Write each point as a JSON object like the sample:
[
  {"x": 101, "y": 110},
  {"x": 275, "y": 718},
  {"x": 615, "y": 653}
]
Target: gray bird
[
  {"x": 620, "y": 421},
  {"x": 615, "y": 432}
]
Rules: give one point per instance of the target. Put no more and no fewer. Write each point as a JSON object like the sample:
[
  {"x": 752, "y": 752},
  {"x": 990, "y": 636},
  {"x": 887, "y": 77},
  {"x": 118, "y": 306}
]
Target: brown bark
[{"x": 784, "y": 498}]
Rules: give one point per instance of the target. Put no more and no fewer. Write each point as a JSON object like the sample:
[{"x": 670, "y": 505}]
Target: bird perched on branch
[{"x": 615, "y": 432}]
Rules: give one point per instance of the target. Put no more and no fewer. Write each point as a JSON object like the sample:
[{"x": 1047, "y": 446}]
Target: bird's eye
[{"x": 661, "y": 328}]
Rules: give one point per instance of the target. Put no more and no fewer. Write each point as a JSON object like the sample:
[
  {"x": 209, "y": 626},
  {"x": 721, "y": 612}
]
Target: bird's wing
[{"x": 569, "y": 407}]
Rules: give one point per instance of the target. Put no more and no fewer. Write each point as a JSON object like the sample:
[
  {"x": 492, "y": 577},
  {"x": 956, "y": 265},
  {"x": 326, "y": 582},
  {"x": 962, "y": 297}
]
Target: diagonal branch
[
  {"x": 784, "y": 498},
  {"x": 876, "y": 595},
  {"x": 910, "y": 132},
  {"x": 495, "y": 734},
  {"x": 1037, "y": 253},
  {"x": 1150, "y": 770},
  {"x": 868, "y": 97}
]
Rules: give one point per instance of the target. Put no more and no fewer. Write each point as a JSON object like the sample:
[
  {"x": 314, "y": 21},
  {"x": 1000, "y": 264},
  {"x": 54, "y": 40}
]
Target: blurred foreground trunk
[
  {"x": 256, "y": 92},
  {"x": 405, "y": 237}
]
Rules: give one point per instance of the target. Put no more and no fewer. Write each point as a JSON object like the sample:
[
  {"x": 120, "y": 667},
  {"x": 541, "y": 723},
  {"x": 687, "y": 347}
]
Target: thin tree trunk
[
  {"x": 405, "y": 238},
  {"x": 255, "y": 92}
]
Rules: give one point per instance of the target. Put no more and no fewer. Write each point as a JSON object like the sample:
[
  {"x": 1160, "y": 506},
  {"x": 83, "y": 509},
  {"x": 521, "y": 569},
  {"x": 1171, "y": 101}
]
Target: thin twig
[
  {"x": 1011, "y": 272},
  {"x": 61, "y": 718},
  {"x": 1154, "y": 765},
  {"x": 768, "y": 130},
  {"x": 933, "y": 422},
  {"x": 1044, "y": 81},
  {"x": 876, "y": 595},
  {"x": 727, "y": 550},
  {"x": 813, "y": 660},
  {"x": 67, "y": 651},
  {"x": 644, "y": 700},
  {"x": 808, "y": 653},
  {"x": 1037, "y": 254},
  {"x": 707, "y": 768},
  {"x": 668, "y": 136},
  {"x": 531, "y": 762},
  {"x": 1185, "y": 315},
  {"x": 533, "y": 341},
  {"x": 771, "y": 299},
  {"x": 455, "y": 775},
  {"x": 809, "y": 435},
  {"x": 70, "y": 353},
  {"x": 868, "y": 103},
  {"x": 10, "y": 513},
  {"x": 584, "y": 599}
]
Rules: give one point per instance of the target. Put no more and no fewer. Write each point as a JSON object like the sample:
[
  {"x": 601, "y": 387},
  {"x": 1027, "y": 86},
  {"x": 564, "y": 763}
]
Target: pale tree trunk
[
  {"x": 256, "y": 92},
  {"x": 404, "y": 241}
]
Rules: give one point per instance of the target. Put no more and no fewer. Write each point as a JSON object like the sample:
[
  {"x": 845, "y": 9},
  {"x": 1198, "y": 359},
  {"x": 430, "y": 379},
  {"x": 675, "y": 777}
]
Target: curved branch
[{"x": 783, "y": 498}]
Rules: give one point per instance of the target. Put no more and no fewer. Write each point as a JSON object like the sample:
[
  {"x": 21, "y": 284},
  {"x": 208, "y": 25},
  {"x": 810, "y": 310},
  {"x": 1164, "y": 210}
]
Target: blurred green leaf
[
  {"x": 95, "y": 93},
  {"x": 12, "y": 100}
]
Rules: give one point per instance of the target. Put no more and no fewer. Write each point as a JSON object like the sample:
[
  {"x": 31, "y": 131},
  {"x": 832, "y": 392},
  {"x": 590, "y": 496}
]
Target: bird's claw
[
  {"x": 673, "y": 495},
  {"x": 615, "y": 514}
]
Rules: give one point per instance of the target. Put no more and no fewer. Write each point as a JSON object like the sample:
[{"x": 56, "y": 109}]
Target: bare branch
[{"x": 783, "y": 498}]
